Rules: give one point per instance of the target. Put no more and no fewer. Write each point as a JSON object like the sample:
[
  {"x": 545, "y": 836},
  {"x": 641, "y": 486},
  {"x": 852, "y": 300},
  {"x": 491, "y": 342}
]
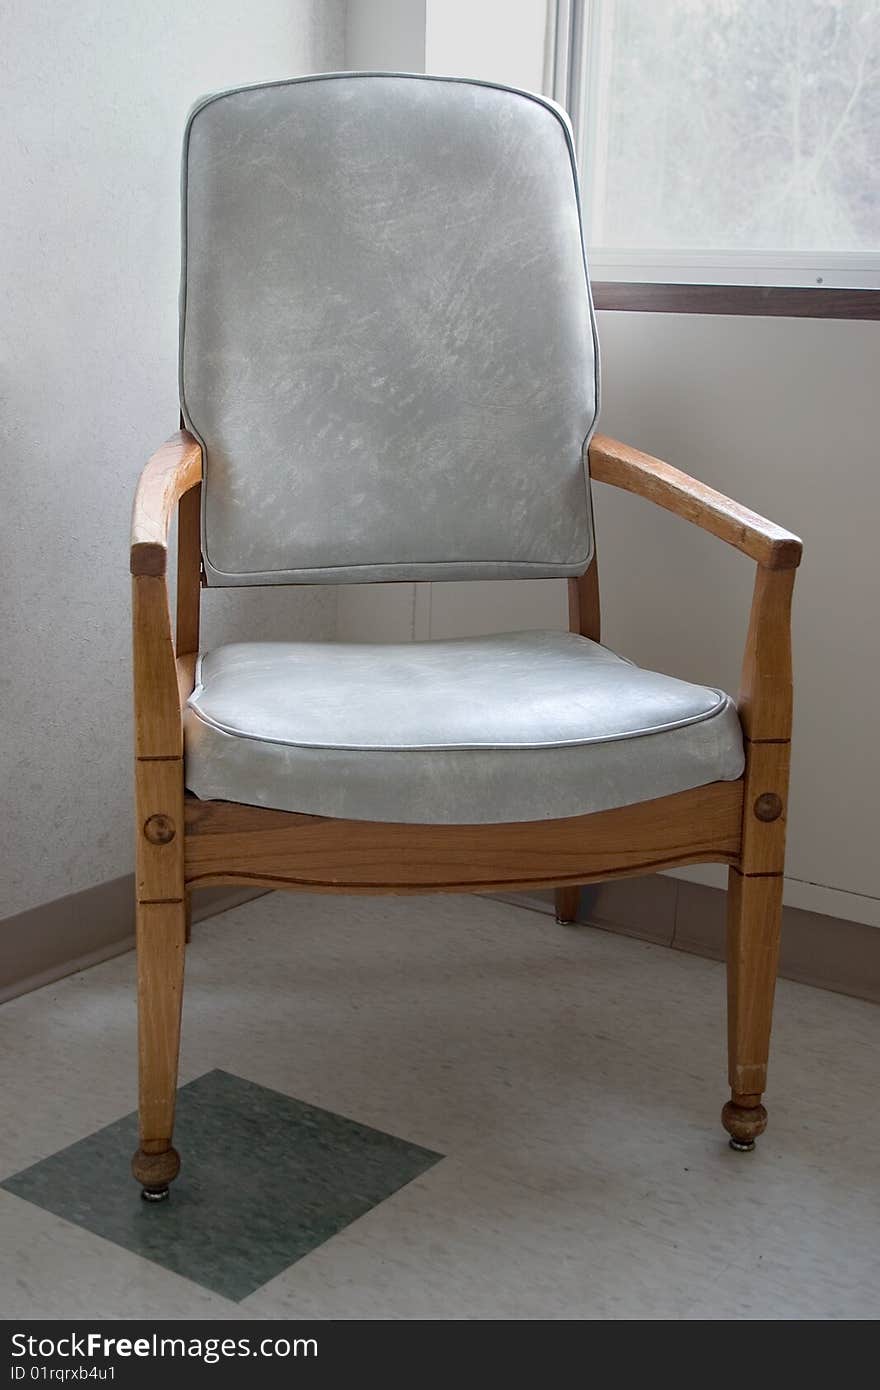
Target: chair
[{"x": 388, "y": 372}]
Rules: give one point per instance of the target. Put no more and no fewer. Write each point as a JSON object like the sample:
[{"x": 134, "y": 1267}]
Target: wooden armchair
[{"x": 352, "y": 769}]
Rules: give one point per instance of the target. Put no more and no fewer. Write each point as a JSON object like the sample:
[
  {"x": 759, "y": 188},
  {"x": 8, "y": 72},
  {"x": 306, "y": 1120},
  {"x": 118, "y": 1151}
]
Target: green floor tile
[{"x": 265, "y": 1179}]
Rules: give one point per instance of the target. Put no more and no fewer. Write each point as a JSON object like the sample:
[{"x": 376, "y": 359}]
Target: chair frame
[{"x": 184, "y": 843}]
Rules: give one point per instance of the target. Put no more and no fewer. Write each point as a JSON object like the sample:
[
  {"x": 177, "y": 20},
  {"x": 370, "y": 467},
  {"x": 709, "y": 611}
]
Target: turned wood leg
[
  {"x": 567, "y": 904},
  {"x": 188, "y": 907},
  {"x": 161, "y": 930},
  {"x": 753, "y": 932}
]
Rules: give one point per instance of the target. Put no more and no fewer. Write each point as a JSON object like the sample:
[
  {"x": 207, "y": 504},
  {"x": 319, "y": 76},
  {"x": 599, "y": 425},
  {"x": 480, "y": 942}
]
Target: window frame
[{"x": 796, "y": 284}]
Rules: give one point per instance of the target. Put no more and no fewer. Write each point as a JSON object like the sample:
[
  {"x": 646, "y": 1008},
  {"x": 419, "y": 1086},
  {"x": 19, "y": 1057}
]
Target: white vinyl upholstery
[
  {"x": 516, "y": 727},
  {"x": 387, "y": 341}
]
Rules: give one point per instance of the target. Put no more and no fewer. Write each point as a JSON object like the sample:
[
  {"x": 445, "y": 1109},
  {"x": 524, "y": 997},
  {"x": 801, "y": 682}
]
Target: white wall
[
  {"x": 783, "y": 414},
  {"x": 385, "y": 34},
  {"x": 94, "y": 98},
  {"x": 497, "y": 40}
]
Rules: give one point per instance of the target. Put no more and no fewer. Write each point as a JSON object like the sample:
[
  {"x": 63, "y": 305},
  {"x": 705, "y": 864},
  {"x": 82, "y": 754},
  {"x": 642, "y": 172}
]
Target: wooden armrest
[
  {"x": 623, "y": 467},
  {"x": 172, "y": 471}
]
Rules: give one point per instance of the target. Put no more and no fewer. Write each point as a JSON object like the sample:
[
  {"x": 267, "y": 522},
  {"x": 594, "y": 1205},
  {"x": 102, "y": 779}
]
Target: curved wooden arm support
[
  {"x": 163, "y": 668},
  {"x": 765, "y": 710},
  {"x": 621, "y": 466},
  {"x": 173, "y": 470}
]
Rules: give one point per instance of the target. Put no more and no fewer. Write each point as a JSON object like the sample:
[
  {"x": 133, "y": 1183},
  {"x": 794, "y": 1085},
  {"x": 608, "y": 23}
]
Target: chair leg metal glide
[{"x": 740, "y": 1148}]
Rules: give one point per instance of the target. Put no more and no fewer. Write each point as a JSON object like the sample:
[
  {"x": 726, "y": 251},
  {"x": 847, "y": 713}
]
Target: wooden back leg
[
  {"x": 584, "y": 616},
  {"x": 567, "y": 904}
]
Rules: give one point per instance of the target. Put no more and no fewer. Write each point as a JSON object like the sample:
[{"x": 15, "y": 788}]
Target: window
[{"x": 726, "y": 141}]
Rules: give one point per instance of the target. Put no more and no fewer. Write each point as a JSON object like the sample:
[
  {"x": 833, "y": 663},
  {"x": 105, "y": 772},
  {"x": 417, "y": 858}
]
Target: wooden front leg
[
  {"x": 161, "y": 915},
  {"x": 161, "y": 949},
  {"x": 755, "y": 884},
  {"x": 754, "y": 921},
  {"x": 160, "y": 684}
]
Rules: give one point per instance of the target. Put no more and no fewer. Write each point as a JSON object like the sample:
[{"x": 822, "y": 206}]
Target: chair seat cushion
[{"x": 516, "y": 727}]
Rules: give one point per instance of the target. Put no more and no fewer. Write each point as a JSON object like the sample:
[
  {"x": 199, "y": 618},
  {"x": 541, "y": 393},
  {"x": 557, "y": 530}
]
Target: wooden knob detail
[
  {"x": 156, "y": 1170},
  {"x": 768, "y": 806},
  {"x": 744, "y": 1123},
  {"x": 159, "y": 830}
]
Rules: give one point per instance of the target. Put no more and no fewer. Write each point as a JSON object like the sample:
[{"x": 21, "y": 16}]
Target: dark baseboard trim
[
  {"x": 70, "y": 934},
  {"x": 828, "y": 952},
  {"x": 61, "y": 937},
  {"x": 759, "y": 301}
]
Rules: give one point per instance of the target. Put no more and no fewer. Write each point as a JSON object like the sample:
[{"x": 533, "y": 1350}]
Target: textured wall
[
  {"x": 94, "y": 98},
  {"x": 783, "y": 415}
]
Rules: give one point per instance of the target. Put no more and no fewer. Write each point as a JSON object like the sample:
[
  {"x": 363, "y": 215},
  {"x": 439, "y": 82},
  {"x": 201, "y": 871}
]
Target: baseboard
[
  {"x": 828, "y": 952},
  {"x": 797, "y": 892},
  {"x": 71, "y": 933}
]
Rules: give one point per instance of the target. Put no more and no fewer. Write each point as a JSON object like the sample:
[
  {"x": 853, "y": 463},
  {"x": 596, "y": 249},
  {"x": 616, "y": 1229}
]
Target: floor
[{"x": 565, "y": 1084}]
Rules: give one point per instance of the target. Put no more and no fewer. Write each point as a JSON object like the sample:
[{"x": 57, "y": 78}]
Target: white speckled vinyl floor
[{"x": 572, "y": 1080}]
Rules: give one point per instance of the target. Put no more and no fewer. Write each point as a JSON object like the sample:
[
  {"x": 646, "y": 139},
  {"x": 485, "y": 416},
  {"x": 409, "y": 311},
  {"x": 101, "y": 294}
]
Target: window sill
[{"x": 773, "y": 301}]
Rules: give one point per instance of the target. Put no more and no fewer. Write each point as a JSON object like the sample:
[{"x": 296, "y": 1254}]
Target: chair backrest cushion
[{"x": 387, "y": 340}]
